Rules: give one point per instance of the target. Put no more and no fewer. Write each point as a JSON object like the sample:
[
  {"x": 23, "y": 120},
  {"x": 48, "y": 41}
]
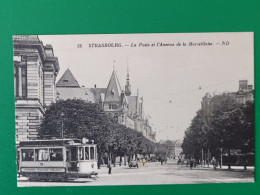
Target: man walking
[
  {"x": 214, "y": 163},
  {"x": 109, "y": 167}
]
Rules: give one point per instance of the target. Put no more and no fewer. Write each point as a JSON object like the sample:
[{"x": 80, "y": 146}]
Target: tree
[
  {"x": 77, "y": 119},
  {"x": 81, "y": 119},
  {"x": 225, "y": 124}
]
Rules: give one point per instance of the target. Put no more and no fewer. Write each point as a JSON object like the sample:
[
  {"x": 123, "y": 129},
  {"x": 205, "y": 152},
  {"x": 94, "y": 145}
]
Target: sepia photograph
[{"x": 134, "y": 109}]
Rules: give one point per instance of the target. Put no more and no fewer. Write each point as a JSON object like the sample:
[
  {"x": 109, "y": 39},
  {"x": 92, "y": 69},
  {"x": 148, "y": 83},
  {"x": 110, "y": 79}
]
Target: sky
[{"x": 172, "y": 78}]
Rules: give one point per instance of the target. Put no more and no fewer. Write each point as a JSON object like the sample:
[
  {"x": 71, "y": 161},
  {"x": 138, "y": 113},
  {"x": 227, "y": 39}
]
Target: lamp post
[
  {"x": 62, "y": 114},
  {"x": 221, "y": 151}
]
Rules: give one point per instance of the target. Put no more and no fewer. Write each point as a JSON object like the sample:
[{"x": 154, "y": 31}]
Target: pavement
[{"x": 155, "y": 173}]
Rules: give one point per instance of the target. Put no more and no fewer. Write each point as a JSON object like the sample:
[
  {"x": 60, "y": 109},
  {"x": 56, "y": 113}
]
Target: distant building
[
  {"x": 177, "y": 148},
  {"x": 245, "y": 93},
  {"x": 35, "y": 71},
  {"x": 124, "y": 108}
]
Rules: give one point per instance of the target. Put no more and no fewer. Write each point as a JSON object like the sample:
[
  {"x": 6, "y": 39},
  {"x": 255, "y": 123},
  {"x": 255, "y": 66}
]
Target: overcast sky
[{"x": 171, "y": 79}]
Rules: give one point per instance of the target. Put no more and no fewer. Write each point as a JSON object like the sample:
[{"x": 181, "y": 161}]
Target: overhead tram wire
[{"x": 196, "y": 90}]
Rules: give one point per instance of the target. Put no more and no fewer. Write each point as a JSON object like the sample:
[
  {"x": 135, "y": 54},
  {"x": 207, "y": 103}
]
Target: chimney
[
  {"x": 95, "y": 86},
  {"x": 250, "y": 87},
  {"x": 243, "y": 85}
]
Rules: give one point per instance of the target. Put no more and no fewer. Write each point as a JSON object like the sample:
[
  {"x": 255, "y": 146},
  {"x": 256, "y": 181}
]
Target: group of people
[
  {"x": 109, "y": 164},
  {"x": 192, "y": 162}
]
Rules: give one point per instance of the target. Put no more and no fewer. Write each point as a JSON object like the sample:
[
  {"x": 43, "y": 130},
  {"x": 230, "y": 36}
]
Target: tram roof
[{"x": 52, "y": 142}]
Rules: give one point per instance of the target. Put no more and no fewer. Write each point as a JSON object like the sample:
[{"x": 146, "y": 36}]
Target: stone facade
[{"x": 35, "y": 71}]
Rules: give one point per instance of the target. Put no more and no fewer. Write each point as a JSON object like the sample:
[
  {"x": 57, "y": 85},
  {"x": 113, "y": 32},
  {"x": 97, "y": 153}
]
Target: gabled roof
[
  {"x": 67, "y": 80},
  {"x": 113, "y": 92}
]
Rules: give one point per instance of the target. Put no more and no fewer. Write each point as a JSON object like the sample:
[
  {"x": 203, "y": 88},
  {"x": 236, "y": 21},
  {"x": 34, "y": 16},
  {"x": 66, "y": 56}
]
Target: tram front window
[
  {"x": 42, "y": 154},
  {"x": 92, "y": 153},
  {"x": 27, "y": 154},
  {"x": 56, "y": 154},
  {"x": 86, "y": 153}
]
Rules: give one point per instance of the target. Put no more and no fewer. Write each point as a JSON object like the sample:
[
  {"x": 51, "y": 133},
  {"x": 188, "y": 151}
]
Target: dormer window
[{"x": 113, "y": 91}]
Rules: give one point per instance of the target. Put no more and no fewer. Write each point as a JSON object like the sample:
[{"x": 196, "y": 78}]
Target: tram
[{"x": 57, "y": 160}]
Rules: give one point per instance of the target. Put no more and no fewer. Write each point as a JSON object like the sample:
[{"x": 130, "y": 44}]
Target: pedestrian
[
  {"x": 161, "y": 161},
  {"x": 144, "y": 161},
  {"x": 214, "y": 163},
  {"x": 191, "y": 162},
  {"x": 109, "y": 166}
]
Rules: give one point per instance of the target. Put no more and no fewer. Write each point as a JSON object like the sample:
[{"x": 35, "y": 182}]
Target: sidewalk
[{"x": 224, "y": 167}]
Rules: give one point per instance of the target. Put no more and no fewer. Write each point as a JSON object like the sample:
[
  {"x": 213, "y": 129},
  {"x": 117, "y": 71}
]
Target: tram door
[{"x": 73, "y": 158}]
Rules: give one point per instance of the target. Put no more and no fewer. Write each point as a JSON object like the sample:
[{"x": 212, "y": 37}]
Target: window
[
  {"x": 74, "y": 154},
  {"x": 24, "y": 81},
  {"x": 56, "y": 154},
  {"x": 42, "y": 154},
  {"x": 27, "y": 154},
  {"x": 81, "y": 153},
  {"x": 20, "y": 81},
  {"x": 86, "y": 153},
  {"x": 92, "y": 152},
  {"x": 15, "y": 84},
  {"x": 112, "y": 106},
  {"x": 65, "y": 81}
]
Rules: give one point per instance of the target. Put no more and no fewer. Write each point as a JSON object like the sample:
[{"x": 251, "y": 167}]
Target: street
[{"x": 155, "y": 173}]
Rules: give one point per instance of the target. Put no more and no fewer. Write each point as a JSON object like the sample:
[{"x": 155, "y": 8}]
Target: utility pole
[
  {"x": 201, "y": 156},
  {"x": 221, "y": 158}
]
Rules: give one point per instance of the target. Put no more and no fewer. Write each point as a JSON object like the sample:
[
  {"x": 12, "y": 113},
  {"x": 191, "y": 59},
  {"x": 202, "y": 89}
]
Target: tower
[{"x": 127, "y": 86}]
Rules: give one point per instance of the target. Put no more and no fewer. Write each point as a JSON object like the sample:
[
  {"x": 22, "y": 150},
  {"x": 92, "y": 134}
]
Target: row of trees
[
  {"x": 78, "y": 119},
  {"x": 222, "y": 126}
]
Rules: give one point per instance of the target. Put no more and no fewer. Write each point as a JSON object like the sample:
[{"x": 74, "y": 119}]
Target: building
[
  {"x": 119, "y": 103},
  {"x": 174, "y": 147},
  {"x": 177, "y": 148},
  {"x": 35, "y": 71},
  {"x": 245, "y": 93}
]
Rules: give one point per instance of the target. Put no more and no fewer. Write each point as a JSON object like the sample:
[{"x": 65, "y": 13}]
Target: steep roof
[
  {"x": 67, "y": 80},
  {"x": 113, "y": 92},
  {"x": 99, "y": 94}
]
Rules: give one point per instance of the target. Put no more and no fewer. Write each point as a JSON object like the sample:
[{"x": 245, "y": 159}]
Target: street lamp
[
  {"x": 221, "y": 160},
  {"x": 62, "y": 114}
]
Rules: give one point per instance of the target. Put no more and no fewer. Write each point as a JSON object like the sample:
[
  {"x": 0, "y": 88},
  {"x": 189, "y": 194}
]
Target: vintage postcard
[{"x": 134, "y": 109}]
